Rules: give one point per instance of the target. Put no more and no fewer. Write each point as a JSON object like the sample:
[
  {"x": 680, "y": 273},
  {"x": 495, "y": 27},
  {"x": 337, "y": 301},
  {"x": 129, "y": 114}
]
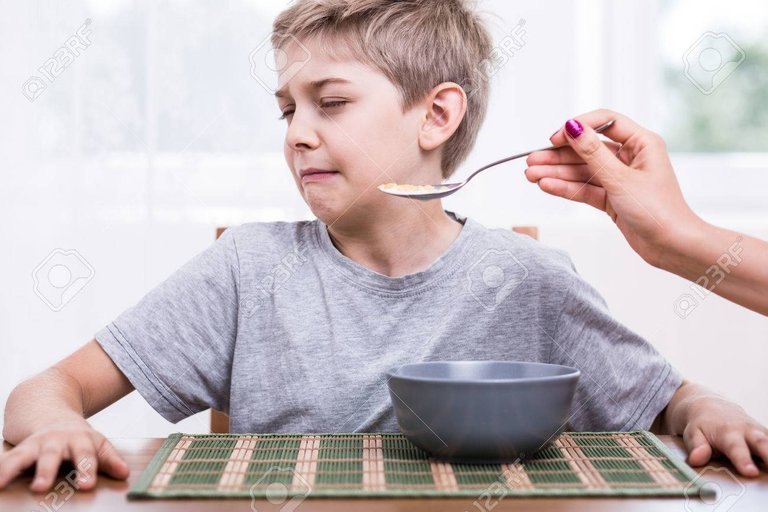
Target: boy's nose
[{"x": 301, "y": 135}]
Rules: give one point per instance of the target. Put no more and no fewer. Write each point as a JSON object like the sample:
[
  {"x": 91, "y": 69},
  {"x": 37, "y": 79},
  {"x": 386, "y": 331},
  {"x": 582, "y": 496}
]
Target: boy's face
[{"x": 353, "y": 126}]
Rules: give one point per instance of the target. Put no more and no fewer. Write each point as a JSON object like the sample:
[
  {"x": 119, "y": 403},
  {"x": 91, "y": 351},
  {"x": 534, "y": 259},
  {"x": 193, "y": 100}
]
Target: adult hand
[{"x": 630, "y": 178}]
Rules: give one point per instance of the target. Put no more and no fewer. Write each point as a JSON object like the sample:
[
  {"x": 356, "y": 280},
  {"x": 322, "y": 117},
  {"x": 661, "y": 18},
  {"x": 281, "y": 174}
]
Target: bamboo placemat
[{"x": 388, "y": 465}]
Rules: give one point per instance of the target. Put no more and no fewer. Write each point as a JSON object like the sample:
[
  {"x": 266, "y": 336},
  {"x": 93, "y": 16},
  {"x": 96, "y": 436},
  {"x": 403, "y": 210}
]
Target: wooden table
[{"x": 743, "y": 494}]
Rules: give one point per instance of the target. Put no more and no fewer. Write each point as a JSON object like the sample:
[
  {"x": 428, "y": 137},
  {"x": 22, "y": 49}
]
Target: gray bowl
[{"x": 482, "y": 411}]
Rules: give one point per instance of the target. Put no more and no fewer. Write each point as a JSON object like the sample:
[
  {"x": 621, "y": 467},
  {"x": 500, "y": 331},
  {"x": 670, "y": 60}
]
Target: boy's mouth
[{"x": 313, "y": 174}]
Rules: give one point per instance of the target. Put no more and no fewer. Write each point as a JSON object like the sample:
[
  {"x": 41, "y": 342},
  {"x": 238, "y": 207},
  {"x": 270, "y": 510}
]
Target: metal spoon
[{"x": 425, "y": 192}]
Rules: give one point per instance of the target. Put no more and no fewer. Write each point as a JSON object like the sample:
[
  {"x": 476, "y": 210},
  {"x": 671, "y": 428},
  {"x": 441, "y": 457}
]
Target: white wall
[{"x": 156, "y": 134}]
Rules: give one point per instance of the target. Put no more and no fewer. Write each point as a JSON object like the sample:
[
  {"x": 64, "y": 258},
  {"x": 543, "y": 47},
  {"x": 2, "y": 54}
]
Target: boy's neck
[{"x": 401, "y": 243}]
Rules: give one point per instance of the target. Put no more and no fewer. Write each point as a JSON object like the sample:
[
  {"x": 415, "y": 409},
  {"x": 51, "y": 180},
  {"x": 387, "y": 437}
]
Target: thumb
[
  {"x": 599, "y": 159},
  {"x": 699, "y": 449}
]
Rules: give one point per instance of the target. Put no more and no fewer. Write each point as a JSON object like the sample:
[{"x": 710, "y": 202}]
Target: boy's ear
[{"x": 445, "y": 108}]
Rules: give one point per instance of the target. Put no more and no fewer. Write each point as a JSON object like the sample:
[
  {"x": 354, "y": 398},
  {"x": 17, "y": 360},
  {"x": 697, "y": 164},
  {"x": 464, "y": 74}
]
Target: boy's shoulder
[
  {"x": 271, "y": 240},
  {"x": 537, "y": 258},
  {"x": 544, "y": 275}
]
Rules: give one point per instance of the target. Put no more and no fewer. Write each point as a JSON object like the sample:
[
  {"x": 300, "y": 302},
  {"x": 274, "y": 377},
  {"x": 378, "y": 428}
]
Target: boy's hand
[
  {"x": 75, "y": 440},
  {"x": 716, "y": 426}
]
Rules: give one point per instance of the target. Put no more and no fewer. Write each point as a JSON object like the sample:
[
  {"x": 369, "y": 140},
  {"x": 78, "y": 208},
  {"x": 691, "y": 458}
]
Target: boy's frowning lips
[{"x": 314, "y": 174}]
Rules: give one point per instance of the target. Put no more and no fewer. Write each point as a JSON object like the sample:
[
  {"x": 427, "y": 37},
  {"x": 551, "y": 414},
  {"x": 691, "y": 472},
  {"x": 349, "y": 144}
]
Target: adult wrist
[{"x": 684, "y": 252}]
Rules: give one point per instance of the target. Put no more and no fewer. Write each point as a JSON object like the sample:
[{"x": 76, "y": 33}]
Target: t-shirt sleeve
[
  {"x": 625, "y": 383},
  {"x": 176, "y": 344}
]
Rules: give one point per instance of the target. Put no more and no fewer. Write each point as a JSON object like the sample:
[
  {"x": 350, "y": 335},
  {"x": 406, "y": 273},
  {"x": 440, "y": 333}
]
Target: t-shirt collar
[{"x": 363, "y": 276}]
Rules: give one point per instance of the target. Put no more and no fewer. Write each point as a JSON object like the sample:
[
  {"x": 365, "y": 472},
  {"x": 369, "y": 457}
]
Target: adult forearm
[
  {"x": 721, "y": 261},
  {"x": 49, "y": 397}
]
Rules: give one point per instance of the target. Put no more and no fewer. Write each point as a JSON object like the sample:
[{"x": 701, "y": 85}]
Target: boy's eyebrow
[{"x": 314, "y": 84}]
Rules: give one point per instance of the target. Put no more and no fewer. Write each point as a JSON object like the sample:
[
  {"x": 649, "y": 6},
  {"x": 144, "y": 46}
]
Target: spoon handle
[{"x": 599, "y": 129}]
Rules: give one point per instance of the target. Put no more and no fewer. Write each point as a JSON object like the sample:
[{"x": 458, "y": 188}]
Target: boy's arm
[
  {"x": 45, "y": 418},
  {"x": 712, "y": 425}
]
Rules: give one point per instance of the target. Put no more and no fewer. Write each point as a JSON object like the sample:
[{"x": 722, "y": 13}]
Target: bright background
[{"x": 156, "y": 134}]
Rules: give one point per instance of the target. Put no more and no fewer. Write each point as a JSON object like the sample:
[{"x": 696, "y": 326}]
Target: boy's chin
[
  {"x": 325, "y": 208},
  {"x": 349, "y": 209}
]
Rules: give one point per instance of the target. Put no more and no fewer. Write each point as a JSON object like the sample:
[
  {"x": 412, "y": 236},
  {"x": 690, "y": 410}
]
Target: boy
[{"x": 315, "y": 312}]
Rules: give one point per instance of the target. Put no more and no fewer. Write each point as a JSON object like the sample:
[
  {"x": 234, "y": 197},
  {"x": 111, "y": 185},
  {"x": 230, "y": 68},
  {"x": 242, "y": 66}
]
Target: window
[{"x": 716, "y": 90}]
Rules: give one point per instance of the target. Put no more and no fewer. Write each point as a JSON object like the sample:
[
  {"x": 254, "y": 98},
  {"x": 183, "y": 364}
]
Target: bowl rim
[{"x": 571, "y": 374}]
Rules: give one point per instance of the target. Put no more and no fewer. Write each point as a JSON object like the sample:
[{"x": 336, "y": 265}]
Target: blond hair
[{"x": 416, "y": 44}]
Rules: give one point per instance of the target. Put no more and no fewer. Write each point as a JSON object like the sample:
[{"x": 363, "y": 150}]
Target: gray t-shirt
[{"x": 273, "y": 325}]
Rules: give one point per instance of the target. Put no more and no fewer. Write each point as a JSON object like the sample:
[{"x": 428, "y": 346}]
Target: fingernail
[
  {"x": 574, "y": 128},
  {"x": 556, "y": 132},
  {"x": 750, "y": 467}
]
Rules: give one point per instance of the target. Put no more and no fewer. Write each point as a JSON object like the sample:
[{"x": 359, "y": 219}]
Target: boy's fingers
[
  {"x": 568, "y": 172},
  {"x": 574, "y": 191},
  {"x": 47, "y": 467},
  {"x": 111, "y": 463},
  {"x": 734, "y": 446},
  {"x": 81, "y": 452},
  {"x": 14, "y": 462},
  {"x": 699, "y": 449},
  {"x": 758, "y": 442},
  {"x": 85, "y": 463}
]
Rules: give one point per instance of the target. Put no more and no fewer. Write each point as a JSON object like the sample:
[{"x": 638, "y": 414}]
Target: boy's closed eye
[{"x": 327, "y": 104}]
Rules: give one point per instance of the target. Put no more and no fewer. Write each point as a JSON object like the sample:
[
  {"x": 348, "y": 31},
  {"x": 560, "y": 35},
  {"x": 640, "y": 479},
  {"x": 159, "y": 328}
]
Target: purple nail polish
[{"x": 574, "y": 128}]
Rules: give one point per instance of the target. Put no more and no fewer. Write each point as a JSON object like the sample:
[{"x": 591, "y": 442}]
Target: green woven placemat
[{"x": 388, "y": 465}]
